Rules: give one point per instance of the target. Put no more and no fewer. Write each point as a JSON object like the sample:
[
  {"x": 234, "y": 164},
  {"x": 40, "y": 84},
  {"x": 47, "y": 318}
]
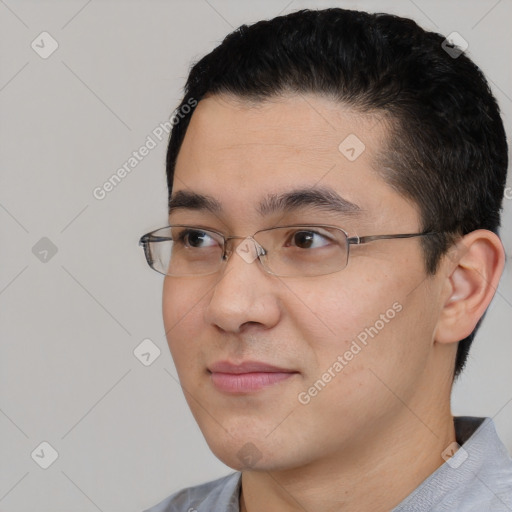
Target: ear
[{"x": 472, "y": 273}]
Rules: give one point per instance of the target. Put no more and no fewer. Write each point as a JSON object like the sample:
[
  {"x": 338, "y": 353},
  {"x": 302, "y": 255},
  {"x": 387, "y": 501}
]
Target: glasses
[{"x": 284, "y": 251}]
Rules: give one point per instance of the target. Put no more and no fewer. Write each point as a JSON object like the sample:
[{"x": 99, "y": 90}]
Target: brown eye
[
  {"x": 196, "y": 239},
  {"x": 308, "y": 240}
]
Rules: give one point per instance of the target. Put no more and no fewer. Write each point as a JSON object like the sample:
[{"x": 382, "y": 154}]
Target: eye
[
  {"x": 195, "y": 239},
  {"x": 308, "y": 240}
]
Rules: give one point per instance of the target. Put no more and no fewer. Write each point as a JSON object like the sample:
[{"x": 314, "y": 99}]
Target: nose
[{"x": 245, "y": 294}]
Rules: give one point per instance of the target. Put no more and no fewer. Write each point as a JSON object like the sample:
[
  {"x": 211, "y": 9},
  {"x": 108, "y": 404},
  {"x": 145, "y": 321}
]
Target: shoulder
[
  {"x": 220, "y": 495},
  {"x": 476, "y": 478}
]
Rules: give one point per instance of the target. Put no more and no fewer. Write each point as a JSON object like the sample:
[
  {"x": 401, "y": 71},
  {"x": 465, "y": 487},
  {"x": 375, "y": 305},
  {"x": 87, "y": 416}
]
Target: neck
[{"x": 371, "y": 474}]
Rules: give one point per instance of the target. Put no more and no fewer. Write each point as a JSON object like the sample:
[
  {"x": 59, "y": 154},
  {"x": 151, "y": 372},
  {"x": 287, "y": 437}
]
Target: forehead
[
  {"x": 240, "y": 153},
  {"x": 307, "y": 126}
]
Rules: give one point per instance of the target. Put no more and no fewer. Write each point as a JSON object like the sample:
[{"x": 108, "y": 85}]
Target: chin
[
  {"x": 258, "y": 454},
  {"x": 248, "y": 458}
]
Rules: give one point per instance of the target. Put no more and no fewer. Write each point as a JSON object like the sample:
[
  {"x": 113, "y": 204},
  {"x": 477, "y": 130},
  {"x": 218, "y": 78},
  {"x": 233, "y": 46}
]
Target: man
[{"x": 334, "y": 200}]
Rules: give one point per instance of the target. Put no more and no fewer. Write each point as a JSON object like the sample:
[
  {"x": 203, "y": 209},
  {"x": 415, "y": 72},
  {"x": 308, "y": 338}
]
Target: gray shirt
[{"x": 478, "y": 478}]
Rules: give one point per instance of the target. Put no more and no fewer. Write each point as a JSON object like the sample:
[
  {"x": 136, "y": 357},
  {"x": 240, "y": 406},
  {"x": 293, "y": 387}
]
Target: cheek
[
  {"x": 182, "y": 304},
  {"x": 360, "y": 339},
  {"x": 335, "y": 311},
  {"x": 181, "y": 298},
  {"x": 366, "y": 321}
]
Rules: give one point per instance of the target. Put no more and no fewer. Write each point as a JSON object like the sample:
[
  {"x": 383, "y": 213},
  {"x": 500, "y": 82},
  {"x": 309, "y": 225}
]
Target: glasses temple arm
[{"x": 357, "y": 240}]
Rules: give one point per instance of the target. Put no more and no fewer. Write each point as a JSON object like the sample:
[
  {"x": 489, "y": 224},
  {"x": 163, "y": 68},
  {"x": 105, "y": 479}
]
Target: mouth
[{"x": 247, "y": 377}]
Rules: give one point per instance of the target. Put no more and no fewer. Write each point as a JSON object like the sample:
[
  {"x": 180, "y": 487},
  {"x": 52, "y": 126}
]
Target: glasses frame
[{"x": 148, "y": 238}]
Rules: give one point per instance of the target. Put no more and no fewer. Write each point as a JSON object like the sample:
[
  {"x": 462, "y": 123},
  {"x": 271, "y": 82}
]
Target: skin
[{"x": 377, "y": 429}]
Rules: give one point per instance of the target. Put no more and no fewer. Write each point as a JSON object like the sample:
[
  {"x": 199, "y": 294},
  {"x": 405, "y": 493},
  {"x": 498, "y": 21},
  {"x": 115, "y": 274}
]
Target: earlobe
[{"x": 474, "y": 274}]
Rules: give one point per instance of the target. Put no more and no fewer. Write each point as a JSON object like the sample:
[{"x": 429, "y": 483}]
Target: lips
[{"x": 248, "y": 376}]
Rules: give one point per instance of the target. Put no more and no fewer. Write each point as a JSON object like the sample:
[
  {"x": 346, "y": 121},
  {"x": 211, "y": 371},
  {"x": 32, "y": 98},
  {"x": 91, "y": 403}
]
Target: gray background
[{"x": 70, "y": 321}]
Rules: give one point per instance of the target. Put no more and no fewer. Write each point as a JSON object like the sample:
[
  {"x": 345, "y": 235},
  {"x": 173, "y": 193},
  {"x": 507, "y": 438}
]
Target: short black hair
[{"x": 447, "y": 149}]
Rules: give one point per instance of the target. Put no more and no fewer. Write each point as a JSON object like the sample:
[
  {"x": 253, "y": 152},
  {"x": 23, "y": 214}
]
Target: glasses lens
[
  {"x": 185, "y": 251},
  {"x": 292, "y": 251},
  {"x": 296, "y": 251}
]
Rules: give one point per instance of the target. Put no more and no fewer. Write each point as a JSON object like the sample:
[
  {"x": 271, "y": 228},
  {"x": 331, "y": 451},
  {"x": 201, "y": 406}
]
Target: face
[{"x": 281, "y": 372}]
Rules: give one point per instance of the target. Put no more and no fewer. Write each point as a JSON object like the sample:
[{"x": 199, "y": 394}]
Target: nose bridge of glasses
[{"x": 248, "y": 248}]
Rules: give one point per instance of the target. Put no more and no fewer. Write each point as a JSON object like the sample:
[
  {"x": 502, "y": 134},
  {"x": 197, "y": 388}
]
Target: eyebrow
[{"x": 321, "y": 198}]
